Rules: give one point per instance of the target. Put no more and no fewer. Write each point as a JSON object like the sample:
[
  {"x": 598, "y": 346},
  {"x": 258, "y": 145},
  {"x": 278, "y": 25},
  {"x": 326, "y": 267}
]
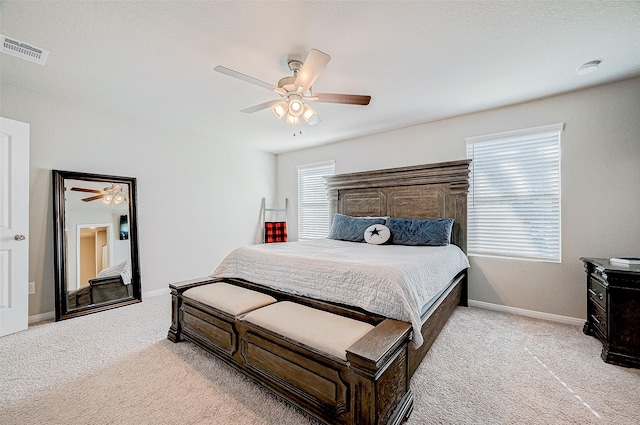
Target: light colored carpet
[{"x": 117, "y": 367}]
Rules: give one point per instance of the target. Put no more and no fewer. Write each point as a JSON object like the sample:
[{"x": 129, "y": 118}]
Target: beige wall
[
  {"x": 600, "y": 176},
  {"x": 198, "y": 198}
]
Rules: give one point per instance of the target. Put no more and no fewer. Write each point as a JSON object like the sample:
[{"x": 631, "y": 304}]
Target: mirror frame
[{"x": 59, "y": 225}]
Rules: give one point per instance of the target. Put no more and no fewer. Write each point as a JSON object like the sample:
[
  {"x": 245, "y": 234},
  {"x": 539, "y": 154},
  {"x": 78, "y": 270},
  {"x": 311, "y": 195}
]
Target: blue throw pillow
[
  {"x": 409, "y": 231},
  {"x": 347, "y": 228}
]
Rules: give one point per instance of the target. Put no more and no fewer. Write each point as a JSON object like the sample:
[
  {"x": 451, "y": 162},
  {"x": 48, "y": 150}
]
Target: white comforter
[
  {"x": 391, "y": 280},
  {"x": 121, "y": 269}
]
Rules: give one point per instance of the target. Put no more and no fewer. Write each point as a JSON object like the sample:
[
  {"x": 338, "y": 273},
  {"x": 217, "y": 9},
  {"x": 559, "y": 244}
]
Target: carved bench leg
[
  {"x": 385, "y": 400},
  {"x": 175, "y": 329},
  {"x": 380, "y": 364}
]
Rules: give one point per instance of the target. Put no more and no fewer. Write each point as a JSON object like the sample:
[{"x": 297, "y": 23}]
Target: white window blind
[
  {"x": 514, "y": 194},
  {"x": 313, "y": 202}
]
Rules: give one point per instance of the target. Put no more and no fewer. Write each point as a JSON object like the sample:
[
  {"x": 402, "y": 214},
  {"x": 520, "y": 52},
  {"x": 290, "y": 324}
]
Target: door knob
[{"x": 19, "y": 237}]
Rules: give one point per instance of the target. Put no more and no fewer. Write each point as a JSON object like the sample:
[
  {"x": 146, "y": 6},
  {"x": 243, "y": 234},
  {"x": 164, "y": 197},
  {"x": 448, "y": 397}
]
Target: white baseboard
[
  {"x": 528, "y": 313},
  {"x": 150, "y": 294},
  {"x": 52, "y": 315},
  {"x": 42, "y": 317},
  {"x": 472, "y": 303}
]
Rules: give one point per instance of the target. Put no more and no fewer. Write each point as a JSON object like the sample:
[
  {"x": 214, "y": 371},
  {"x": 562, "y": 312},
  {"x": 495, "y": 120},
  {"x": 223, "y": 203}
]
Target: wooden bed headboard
[{"x": 421, "y": 191}]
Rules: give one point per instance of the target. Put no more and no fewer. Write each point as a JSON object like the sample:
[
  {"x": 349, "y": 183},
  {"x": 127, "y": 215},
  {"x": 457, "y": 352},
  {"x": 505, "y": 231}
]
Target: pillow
[
  {"x": 409, "y": 231},
  {"x": 347, "y": 228},
  {"x": 377, "y": 234}
]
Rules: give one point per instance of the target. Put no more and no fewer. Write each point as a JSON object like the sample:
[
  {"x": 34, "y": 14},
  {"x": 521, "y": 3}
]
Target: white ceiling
[{"x": 420, "y": 61}]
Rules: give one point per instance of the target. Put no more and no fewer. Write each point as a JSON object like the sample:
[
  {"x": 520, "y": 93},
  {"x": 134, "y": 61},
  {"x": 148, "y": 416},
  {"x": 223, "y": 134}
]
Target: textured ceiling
[{"x": 420, "y": 61}]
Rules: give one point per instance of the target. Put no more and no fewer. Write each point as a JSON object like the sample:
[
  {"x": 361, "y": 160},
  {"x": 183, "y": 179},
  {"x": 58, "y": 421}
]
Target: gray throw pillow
[
  {"x": 409, "y": 231},
  {"x": 347, "y": 228}
]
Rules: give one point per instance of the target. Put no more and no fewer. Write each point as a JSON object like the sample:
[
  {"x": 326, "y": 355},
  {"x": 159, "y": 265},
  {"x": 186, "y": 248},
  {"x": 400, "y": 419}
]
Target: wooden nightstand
[{"x": 613, "y": 310}]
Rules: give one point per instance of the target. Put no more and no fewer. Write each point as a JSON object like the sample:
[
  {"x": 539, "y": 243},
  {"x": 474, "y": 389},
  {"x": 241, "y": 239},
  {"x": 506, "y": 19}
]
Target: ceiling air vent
[{"x": 23, "y": 50}]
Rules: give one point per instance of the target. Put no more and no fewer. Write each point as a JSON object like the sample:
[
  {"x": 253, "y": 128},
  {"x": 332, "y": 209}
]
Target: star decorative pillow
[{"x": 377, "y": 234}]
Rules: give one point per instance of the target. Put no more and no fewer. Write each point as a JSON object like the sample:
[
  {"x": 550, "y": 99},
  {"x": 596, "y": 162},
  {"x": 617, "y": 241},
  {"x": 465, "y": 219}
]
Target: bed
[
  {"x": 370, "y": 383},
  {"x": 110, "y": 284}
]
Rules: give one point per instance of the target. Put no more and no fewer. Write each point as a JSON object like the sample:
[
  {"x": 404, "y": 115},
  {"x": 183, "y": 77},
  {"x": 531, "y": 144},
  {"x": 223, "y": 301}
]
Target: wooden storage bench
[{"x": 339, "y": 365}]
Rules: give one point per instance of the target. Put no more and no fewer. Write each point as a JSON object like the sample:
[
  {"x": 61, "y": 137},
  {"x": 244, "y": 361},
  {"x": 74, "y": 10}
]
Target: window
[
  {"x": 514, "y": 194},
  {"x": 313, "y": 202}
]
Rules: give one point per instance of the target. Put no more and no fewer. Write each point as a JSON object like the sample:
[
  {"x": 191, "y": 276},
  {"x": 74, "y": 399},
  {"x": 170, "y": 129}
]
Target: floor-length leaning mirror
[{"x": 96, "y": 243}]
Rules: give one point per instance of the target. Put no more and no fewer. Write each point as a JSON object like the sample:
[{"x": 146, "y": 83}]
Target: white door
[{"x": 14, "y": 226}]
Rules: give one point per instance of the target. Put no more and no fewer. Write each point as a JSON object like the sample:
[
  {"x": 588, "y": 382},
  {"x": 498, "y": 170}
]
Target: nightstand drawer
[
  {"x": 597, "y": 292},
  {"x": 599, "y": 318}
]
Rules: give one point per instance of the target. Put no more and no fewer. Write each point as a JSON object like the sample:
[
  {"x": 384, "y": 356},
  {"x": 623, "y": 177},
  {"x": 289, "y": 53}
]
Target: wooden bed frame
[
  {"x": 98, "y": 291},
  {"x": 373, "y": 385}
]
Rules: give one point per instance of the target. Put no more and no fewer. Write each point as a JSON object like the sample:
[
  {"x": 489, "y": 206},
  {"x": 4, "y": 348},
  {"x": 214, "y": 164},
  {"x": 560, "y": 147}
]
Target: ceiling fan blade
[
  {"x": 239, "y": 76},
  {"x": 261, "y": 106},
  {"x": 311, "y": 69},
  {"x": 93, "y": 198},
  {"x": 315, "y": 120},
  {"x": 349, "y": 99},
  {"x": 82, "y": 189}
]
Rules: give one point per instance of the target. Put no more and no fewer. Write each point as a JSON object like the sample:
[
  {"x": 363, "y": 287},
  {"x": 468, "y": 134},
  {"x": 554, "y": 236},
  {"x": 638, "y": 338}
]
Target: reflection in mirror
[{"x": 96, "y": 243}]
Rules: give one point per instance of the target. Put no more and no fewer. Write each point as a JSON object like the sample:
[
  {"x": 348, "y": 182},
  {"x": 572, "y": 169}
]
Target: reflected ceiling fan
[
  {"x": 109, "y": 195},
  {"x": 295, "y": 90}
]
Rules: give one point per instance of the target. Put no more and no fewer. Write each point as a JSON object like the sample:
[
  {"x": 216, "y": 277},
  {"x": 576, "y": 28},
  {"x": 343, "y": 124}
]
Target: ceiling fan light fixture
[
  {"x": 280, "y": 109},
  {"x": 296, "y": 106},
  {"x": 308, "y": 113},
  {"x": 315, "y": 120},
  {"x": 107, "y": 198},
  {"x": 118, "y": 199},
  {"x": 292, "y": 119},
  {"x": 296, "y": 89}
]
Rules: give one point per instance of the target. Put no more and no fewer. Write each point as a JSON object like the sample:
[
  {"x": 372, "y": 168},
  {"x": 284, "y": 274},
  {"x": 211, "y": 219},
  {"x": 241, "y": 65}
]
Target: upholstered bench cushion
[
  {"x": 324, "y": 331},
  {"x": 230, "y": 299}
]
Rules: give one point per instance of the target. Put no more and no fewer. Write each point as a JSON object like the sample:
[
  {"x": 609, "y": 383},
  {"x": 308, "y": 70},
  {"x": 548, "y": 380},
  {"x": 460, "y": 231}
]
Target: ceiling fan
[
  {"x": 295, "y": 90},
  {"x": 113, "y": 194}
]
